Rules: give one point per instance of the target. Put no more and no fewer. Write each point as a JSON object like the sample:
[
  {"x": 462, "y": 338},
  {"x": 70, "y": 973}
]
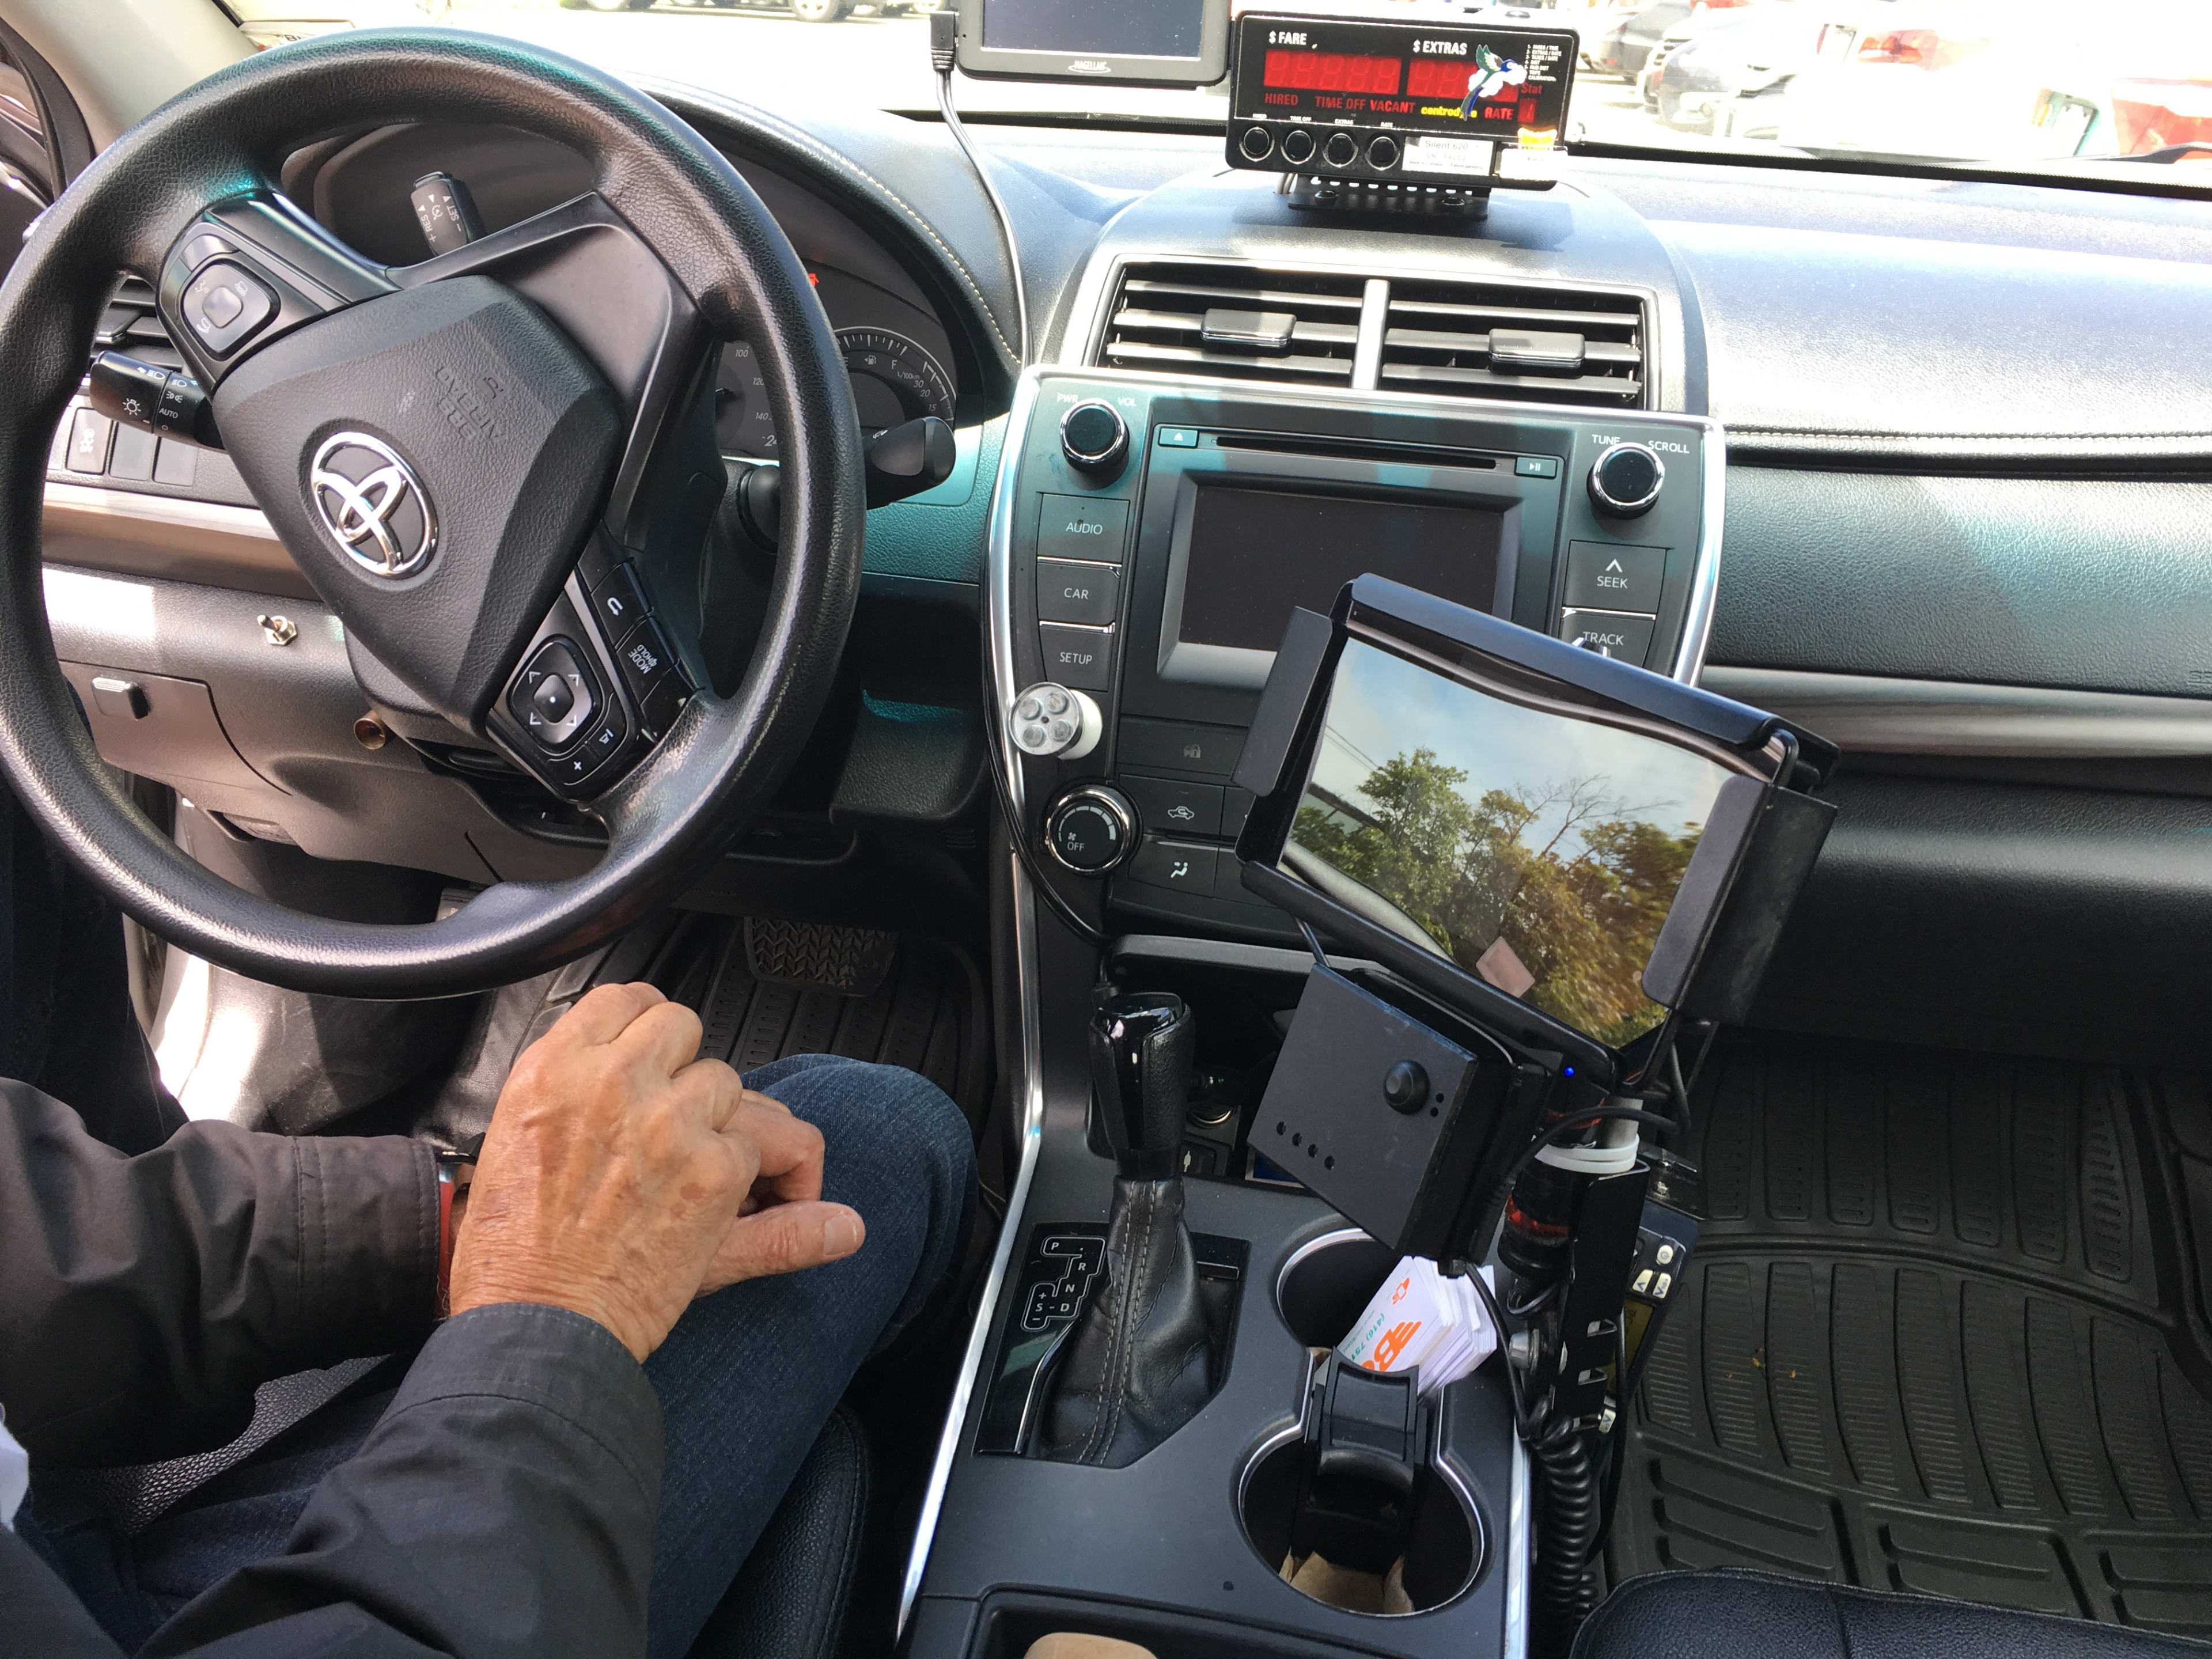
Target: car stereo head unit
[{"x": 1422, "y": 102}]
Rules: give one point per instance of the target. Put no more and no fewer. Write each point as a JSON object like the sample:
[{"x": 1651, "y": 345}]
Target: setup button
[{"x": 1080, "y": 657}]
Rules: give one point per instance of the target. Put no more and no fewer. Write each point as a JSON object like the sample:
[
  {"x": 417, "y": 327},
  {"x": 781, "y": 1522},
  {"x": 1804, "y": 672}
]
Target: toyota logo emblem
[{"x": 373, "y": 503}]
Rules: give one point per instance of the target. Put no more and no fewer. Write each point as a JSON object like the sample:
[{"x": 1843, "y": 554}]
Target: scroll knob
[{"x": 1625, "y": 481}]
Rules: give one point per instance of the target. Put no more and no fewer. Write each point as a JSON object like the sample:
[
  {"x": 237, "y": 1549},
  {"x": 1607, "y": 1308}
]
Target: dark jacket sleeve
[
  {"x": 143, "y": 1299},
  {"x": 502, "y": 1508}
]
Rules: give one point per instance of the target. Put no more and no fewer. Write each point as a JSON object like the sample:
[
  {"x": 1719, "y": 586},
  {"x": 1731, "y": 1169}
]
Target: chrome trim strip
[
  {"x": 1705, "y": 574},
  {"x": 997, "y": 601},
  {"x": 1872, "y": 715},
  {"x": 161, "y": 509},
  {"x": 1517, "y": 1524}
]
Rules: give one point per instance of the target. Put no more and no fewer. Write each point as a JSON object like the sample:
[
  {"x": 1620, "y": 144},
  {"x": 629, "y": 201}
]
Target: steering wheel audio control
[
  {"x": 1625, "y": 481},
  {"x": 1095, "y": 439},
  {"x": 1091, "y": 829},
  {"x": 1053, "y": 722}
]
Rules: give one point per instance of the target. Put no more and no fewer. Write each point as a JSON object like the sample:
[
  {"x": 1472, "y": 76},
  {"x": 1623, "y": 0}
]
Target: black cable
[
  {"x": 943, "y": 53},
  {"x": 1313, "y": 942},
  {"x": 1564, "y": 1534},
  {"x": 1522, "y": 1424}
]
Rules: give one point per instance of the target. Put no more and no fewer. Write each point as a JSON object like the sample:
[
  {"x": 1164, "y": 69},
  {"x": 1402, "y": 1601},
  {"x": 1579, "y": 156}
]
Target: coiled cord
[{"x": 1566, "y": 1532}]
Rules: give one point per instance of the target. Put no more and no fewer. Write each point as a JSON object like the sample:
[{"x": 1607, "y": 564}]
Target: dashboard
[{"x": 1938, "y": 484}]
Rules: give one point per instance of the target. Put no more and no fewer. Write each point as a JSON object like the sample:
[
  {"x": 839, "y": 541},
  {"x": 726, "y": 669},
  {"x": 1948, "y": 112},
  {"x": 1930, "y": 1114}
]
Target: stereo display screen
[{"x": 1256, "y": 554}]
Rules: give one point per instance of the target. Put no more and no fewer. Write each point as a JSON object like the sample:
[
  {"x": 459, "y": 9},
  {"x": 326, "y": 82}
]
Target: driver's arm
[{"x": 142, "y": 1299}]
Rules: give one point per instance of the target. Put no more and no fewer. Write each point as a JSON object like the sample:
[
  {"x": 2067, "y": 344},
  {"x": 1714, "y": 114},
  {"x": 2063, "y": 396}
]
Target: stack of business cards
[{"x": 1419, "y": 1317}]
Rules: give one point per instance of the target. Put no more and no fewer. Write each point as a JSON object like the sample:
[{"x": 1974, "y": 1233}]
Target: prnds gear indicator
[{"x": 1423, "y": 102}]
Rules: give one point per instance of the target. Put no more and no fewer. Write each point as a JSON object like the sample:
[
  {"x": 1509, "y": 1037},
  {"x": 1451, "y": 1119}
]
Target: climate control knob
[
  {"x": 1091, "y": 829},
  {"x": 1094, "y": 439},
  {"x": 1625, "y": 481}
]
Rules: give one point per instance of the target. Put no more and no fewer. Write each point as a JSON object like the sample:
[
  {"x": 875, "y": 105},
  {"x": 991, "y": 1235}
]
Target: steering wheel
[{"x": 497, "y": 467}]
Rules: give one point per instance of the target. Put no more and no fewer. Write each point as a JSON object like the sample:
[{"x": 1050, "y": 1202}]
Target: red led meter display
[{"x": 1509, "y": 85}]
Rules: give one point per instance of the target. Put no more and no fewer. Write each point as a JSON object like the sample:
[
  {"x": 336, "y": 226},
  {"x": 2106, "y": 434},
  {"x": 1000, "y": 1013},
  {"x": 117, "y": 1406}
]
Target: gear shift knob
[{"x": 1141, "y": 1049}]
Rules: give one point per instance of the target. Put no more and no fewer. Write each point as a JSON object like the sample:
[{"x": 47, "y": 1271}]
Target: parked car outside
[{"x": 1703, "y": 70}]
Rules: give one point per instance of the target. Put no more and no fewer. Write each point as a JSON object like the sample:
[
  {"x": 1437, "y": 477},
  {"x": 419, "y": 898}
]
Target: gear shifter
[{"x": 1140, "y": 1363}]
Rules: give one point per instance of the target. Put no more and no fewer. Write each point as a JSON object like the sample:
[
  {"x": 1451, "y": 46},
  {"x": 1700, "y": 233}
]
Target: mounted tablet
[
  {"x": 1563, "y": 848},
  {"x": 1139, "y": 43}
]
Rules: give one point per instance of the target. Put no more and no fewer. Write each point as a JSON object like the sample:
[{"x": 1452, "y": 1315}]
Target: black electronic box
[{"x": 1447, "y": 103}]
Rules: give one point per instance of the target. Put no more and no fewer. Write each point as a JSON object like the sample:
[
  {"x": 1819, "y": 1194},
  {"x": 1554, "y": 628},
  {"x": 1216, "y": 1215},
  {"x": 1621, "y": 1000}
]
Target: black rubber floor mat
[
  {"x": 919, "y": 1005},
  {"x": 1936, "y": 1337}
]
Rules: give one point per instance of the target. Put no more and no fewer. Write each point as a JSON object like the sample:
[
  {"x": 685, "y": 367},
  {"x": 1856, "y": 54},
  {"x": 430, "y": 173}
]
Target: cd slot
[{"x": 1355, "y": 449}]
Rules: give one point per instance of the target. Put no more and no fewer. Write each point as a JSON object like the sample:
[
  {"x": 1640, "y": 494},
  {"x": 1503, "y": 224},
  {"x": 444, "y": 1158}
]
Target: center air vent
[
  {"x": 1479, "y": 340},
  {"x": 131, "y": 325},
  {"x": 1236, "y": 323}
]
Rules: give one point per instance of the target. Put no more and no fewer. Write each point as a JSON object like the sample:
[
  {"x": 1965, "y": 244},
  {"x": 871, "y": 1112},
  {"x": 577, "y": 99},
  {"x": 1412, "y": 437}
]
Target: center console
[{"x": 1151, "y": 534}]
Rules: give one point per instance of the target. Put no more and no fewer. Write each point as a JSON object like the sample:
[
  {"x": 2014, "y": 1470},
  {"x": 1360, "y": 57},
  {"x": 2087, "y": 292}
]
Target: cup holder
[{"x": 1362, "y": 1517}]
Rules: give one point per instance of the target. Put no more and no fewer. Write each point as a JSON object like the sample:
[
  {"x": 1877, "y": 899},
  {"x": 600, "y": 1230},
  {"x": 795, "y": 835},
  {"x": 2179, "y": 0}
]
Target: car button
[
  {"x": 223, "y": 305},
  {"x": 1607, "y": 578},
  {"x": 1182, "y": 866},
  {"x": 1081, "y": 527},
  {"x": 1071, "y": 593},
  {"x": 1178, "y": 808},
  {"x": 553, "y": 698},
  {"x": 1623, "y": 638}
]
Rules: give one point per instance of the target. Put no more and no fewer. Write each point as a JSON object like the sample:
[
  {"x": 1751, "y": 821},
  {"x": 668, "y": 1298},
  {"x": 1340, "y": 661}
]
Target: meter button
[{"x": 223, "y": 305}]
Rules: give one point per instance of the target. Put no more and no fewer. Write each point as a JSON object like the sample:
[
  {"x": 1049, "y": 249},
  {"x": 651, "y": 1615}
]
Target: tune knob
[
  {"x": 1094, "y": 439},
  {"x": 1625, "y": 480},
  {"x": 1091, "y": 829}
]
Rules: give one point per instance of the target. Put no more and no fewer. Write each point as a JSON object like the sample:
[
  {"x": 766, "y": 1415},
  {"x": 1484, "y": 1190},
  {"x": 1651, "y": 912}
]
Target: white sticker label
[{"x": 1466, "y": 157}]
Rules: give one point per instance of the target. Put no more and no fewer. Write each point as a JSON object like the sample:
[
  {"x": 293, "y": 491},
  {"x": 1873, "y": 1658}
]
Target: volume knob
[{"x": 1094, "y": 439}]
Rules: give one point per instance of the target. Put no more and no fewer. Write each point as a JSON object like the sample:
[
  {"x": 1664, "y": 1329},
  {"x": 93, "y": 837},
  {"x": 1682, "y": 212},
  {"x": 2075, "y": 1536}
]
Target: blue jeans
[{"x": 745, "y": 1380}]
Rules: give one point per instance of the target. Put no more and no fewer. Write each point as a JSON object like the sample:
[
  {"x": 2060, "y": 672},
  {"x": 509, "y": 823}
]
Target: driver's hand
[{"x": 618, "y": 1168}]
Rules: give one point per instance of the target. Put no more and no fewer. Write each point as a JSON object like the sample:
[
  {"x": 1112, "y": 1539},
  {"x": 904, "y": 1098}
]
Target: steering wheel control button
[
  {"x": 1082, "y": 527},
  {"x": 1623, "y": 638},
  {"x": 1080, "y": 657},
  {"x": 658, "y": 708},
  {"x": 1089, "y": 829},
  {"x": 643, "y": 658},
  {"x": 1626, "y": 480},
  {"x": 1072, "y": 593},
  {"x": 1605, "y": 578},
  {"x": 1094, "y": 439},
  {"x": 1177, "y": 809},
  {"x": 621, "y": 600},
  {"x": 1181, "y": 867},
  {"x": 222, "y": 305},
  {"x": 201, "y": 248},
  {"x": 553, "y": 698}
]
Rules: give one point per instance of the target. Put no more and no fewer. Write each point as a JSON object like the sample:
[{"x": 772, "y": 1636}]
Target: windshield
[{"x": 2022, "y": 84}]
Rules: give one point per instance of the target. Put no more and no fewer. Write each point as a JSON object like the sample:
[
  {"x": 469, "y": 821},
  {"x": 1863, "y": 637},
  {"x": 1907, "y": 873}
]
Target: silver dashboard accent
[
  {"x": 369, "y": 516},
  {"x": 999, "y": 624}
]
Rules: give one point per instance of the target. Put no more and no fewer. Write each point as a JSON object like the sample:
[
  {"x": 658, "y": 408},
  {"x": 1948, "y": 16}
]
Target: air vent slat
[
  {"x": 1158, "y": 319},
  {"x": 1437, "y": 339},
  {"x": 1141, "y": 351}
]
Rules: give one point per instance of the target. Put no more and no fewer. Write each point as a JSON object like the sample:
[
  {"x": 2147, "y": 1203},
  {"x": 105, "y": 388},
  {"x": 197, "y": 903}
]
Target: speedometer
[{"x": 894, "y": 380}]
